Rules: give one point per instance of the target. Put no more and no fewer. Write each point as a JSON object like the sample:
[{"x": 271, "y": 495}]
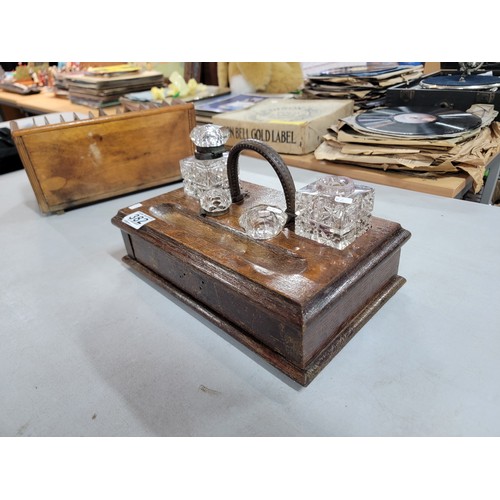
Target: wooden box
[
  {"x": 291, "y": 300},
  {"x": 75, "y": 163}
]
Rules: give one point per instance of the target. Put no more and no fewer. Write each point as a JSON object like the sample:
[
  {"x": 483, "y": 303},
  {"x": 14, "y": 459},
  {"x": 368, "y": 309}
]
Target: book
[{"x": 232, "y": 102}]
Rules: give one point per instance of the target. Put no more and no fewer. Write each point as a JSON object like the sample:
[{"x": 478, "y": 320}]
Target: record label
[
  {"x": 415, "y": 118},
  {"x": 407, "y": 121}
]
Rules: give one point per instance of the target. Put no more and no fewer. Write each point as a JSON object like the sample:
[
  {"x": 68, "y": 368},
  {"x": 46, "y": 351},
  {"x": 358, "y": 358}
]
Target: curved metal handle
[{"x": 279, "y": 166}]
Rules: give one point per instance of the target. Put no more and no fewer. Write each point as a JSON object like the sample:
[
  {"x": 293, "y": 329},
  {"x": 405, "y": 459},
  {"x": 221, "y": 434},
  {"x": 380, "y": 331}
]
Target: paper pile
[
  {"x": 345, "y": 142},
  {"x": 103, "y": 90},
  {"x": 366, "y": 85}
]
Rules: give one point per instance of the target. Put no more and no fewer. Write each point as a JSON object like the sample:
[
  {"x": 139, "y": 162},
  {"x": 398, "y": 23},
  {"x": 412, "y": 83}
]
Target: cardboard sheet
[{"x": 345, "y": 142}]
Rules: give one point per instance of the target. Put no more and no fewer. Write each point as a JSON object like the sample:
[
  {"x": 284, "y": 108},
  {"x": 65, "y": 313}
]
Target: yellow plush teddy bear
[{"x": 267, "y": 77}]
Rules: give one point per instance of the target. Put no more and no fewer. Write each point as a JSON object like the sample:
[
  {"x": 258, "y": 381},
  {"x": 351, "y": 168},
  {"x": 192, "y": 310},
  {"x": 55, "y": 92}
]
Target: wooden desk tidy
[
  {"x": 293, "y": 301},
  {"x": 75, "y": 163}
]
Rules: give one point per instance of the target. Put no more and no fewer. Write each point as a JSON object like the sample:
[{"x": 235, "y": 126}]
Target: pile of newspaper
[
  {"x": 469, "y": 152},
  {"x": 366, "y": 84}
]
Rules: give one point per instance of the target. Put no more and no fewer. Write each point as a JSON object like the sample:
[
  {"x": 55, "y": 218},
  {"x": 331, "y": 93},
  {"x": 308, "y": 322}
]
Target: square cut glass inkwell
[{"x": 334, "y": 211}]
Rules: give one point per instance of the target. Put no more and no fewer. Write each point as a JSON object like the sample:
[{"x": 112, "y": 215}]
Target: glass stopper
[{"x": 209, "y": 135}]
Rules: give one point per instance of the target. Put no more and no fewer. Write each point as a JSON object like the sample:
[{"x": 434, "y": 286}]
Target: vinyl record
[
  {"x": 467, "y": 82},
  {"x": 361, "y": 70},
  {"x": 415, "y": 122}
]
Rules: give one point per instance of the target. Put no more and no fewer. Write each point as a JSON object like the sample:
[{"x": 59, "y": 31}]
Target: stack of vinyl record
[
  {"x": 100, "y": 90},
  {"x": 366, "y": 85},
  {"x": 424, "y": 141}
]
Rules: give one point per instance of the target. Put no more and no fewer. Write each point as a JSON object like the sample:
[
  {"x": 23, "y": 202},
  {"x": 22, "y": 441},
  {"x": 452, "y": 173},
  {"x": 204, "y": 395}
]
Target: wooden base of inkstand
[{"x": 291, "y": 300}]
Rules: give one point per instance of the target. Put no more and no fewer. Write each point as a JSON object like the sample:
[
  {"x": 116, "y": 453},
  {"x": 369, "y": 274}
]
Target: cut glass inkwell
[
  {"x": 263, "y": 222},
  {"x": 205, "y": 174},
  {"x": 333, "y": 210}
]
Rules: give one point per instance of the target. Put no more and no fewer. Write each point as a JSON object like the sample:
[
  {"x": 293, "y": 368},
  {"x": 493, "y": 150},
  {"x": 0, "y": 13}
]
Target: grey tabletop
[{"x": 89, "y": 348}]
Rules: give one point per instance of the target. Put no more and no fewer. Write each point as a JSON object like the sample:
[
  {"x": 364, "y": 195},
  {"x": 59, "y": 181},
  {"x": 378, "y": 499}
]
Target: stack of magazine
[{"x": 103, "y": 87}]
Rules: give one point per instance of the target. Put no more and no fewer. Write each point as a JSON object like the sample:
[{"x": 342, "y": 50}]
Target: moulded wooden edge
[{"x": 302, "y": 376}]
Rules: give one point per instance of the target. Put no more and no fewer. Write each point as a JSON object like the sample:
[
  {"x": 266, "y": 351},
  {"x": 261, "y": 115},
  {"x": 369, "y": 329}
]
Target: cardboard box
[{"x": 290, "y": 126}]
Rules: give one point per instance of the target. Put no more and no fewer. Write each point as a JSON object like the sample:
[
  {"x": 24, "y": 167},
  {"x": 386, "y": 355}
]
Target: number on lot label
[{"x": 137, "y": 219}]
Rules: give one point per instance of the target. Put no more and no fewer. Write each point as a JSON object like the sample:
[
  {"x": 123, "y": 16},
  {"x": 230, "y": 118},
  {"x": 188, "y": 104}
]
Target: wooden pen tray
[
  {"x": 75, "y": 163},
  {"x": 291, "y": 300}
]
